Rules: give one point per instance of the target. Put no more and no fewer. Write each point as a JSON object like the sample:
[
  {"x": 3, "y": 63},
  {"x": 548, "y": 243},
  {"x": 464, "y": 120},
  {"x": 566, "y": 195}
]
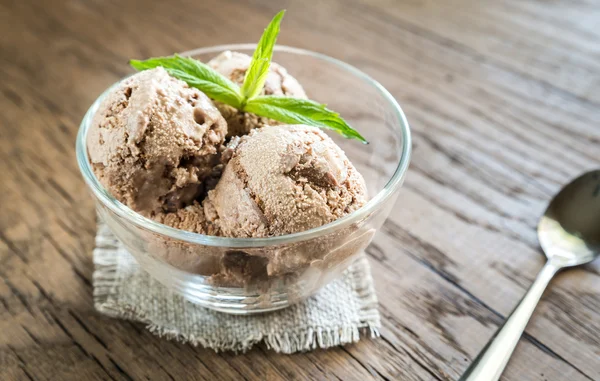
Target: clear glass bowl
[{"x": 250, "y": 275}]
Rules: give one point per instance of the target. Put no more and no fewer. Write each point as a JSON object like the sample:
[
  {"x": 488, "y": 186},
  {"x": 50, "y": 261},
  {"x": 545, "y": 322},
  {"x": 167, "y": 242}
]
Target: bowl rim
[{"x": 195, "y": 238}]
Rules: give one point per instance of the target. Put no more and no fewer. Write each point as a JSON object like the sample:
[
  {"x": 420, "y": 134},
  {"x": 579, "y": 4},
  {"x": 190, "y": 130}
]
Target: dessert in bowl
[{"x": 252, "y": 218}]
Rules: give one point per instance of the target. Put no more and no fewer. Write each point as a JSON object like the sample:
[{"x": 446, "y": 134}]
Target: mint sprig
[
  {"x": 301, "y": 111},
  {"x": 196, "y": 74},
  {"x": 256, "y": 75},
  {"x": 247, "y": 98}
]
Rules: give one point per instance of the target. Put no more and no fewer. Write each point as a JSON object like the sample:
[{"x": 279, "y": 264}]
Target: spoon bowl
[{"x": 569, "y": 231}]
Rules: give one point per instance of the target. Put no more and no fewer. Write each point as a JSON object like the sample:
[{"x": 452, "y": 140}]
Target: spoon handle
[{"x": 492, "y": 359}]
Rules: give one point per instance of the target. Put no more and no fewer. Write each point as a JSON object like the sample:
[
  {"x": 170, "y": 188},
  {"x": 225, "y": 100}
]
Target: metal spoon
[{"x": 569, "y": 234}]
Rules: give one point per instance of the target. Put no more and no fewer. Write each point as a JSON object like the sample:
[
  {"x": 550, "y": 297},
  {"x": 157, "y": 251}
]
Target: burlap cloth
[{"x": 338, "y": 314}]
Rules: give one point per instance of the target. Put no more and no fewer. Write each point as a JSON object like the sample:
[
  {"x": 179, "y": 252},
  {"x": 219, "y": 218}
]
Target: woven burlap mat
[{"x": 338, "y": 314}]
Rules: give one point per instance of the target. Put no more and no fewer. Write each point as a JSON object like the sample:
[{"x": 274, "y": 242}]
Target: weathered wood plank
[{"x": 552, "y": 43}]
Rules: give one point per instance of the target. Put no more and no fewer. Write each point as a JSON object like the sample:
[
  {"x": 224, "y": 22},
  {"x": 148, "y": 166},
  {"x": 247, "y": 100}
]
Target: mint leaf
[
  {"x": 301, "y": 111},
  {"x": 196, "y": 74},
  {"x": 261, "y": 59}
]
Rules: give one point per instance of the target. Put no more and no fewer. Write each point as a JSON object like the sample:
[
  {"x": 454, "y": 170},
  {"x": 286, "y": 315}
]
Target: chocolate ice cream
[
  {"x": 234, "y": 65},
  {"x": 154, "y": 141},
  {"x": 191, "y": 218},
  {"x": 284, "y": 180},
  {"x": 157, "y": 145}
]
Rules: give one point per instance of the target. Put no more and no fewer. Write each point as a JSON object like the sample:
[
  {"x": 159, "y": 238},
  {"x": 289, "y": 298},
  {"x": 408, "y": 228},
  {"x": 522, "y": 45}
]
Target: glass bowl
[{"x": 250, "y": 275}]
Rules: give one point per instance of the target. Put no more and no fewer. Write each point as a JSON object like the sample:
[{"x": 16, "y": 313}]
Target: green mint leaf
[
  {"x": 283, "y": 109},
  {"x": 261, "y": 59},
  {"x": 196, "y": 74},
  {"x": 301, "y": 111}
]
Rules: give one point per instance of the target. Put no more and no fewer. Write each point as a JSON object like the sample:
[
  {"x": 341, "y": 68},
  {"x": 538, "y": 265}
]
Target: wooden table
[{"x": 504, "y": 104}]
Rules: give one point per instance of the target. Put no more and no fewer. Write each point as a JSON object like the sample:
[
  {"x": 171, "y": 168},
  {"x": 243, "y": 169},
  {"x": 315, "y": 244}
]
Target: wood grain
[{"x": 501, "y": 98}]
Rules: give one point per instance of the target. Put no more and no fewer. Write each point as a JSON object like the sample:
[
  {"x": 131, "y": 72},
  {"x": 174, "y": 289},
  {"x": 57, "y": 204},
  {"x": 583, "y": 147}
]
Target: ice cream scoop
[
  {"x": 234, "y": 65},
  {"x": 284, "y": 180},
  {"x": 154, "y": 141}
]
